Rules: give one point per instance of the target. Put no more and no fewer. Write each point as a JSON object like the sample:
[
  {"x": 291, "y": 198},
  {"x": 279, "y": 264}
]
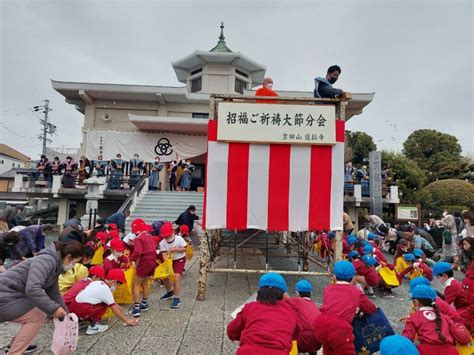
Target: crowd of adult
[{"x": 122, "y": 173}]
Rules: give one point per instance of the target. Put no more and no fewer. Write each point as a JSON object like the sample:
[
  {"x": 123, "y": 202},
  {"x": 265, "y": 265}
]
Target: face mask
[
  {"x": 136, "y": 156},
  {"x": 157, "y": 160},
  {"x": 269, "y": 86},
  {"x": 117, "y": 254},
  {"x": 332, "y": 80},
  {"x": 68, "y": 267}
]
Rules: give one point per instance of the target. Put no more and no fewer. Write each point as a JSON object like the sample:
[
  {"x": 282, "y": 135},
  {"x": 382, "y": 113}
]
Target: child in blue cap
[
  {"x": 443, "y": 306},
  {"x": 341, "y": 300},
  {"x": 267, "y": 325},
  {"x": 454, "y": 294},
  {"x": 306, "y": 312},
  {"x": 397, "y": 345},
  {"x": 435, "y": 332},
  {"x": 415, "y": 268}
]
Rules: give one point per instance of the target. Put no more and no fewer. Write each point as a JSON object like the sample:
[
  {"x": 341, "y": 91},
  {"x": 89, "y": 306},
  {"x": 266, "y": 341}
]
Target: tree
[
  {"x": 458, "y": 194},
  {"x": 437, "y": 153},
  {"x": 407, "y": 175},
  {"x": 360, "y": 144}
]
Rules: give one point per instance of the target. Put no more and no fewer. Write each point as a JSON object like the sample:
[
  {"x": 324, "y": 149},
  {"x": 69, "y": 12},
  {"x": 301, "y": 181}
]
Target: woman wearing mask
[
  {"x": 155, "y": 168},
  {"x": 29, "y": 292}
]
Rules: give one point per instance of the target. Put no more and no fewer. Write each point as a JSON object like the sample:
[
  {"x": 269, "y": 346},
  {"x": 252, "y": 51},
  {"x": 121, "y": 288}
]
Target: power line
[{"x": 15, "y": 133}]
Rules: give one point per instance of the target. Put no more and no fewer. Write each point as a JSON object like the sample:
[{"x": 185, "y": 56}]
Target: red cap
[
  {"x": 102, "y": 236},
  {"x": 184, "y": 229},
  {"x": 142, "y": 228},
  {"x": 97, "y": 270},
  {"x": 114, "y": 234},
  {"x": 166, "y": 230},
  {"x": 113, "y": 227},
  {"x": 136, "y": 222},
  {"x": 117, "y": 245},
  {"x": 117, "y": 275}
]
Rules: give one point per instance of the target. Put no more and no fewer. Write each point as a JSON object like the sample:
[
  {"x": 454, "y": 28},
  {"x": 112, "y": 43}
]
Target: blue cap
[
  {"x": 369, "y": 260},
  {"x": 304, "y": 286},
  {"x": 272, "y": 279},
  {"x": 441, "y": 268},
  {"x": 418, "y": 253},
  {"x": 353, "y": 254},
  {"x": 419, "y": 280},
  {"x": 344, "y": 270},
  {"x": 397, "y": 345},
  {"x": 368, "y": 248},
  {"x": 409, "y": 257},
  {"x": 351, "y": 240},
  {"x": 423, "y": 291},
  {"x": 371, "y": 236},
  {"x": 331, "y": 234}
]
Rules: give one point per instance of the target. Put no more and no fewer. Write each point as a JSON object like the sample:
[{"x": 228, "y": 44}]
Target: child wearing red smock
[
  {"x": 415, "y": 268},
  {"x": 267, "y": 326},
  {"x": 89, "y": 300},
  {"x": 144, "y": 256},
  {"x": 434, "y": 331},
  {"x": 333, "y": 326},
  {"x": 306, "y": 312},
  {"x": 454, "y": 293},
  {"x": 116, "y": 259}
]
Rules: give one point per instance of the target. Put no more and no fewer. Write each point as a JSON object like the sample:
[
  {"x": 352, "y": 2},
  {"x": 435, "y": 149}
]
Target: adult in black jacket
[{"x": 188, "y": 217}]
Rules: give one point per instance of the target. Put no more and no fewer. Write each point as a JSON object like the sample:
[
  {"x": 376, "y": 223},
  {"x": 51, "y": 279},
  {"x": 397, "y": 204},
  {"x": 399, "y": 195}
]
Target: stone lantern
[{"x": 93, "y": 195}]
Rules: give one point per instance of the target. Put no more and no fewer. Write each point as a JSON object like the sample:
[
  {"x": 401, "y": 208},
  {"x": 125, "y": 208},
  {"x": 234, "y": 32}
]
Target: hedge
[{"x": 451, "y": 192}]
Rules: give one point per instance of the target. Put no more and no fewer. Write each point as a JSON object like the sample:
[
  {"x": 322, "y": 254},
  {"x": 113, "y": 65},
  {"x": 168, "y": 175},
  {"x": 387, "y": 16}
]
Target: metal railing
[{"x": 131, "y": 200}]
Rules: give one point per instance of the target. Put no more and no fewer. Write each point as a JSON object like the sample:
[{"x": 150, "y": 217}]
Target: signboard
[
  {"x": 407, "y": 212},
  {"x": 375, "y": 175},
  {"x": 276, "y": 123}
]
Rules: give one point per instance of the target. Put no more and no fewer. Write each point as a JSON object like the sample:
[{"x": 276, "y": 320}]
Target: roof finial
[
  {"x": 221, "y": 46},
  {"x": 221, "y": 37}
]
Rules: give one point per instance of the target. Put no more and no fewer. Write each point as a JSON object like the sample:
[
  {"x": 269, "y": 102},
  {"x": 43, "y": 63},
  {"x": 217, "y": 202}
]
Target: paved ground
[{"x": 197, "y": 327}]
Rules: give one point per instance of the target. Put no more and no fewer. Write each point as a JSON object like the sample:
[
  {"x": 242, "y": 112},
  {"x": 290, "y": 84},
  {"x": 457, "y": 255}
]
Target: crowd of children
[
  {"x": 438, "y": 322},
  {"x": 121, "y": 270}
]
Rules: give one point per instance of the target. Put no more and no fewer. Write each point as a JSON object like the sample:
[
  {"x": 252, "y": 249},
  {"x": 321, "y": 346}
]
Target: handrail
[{"x": 133, "y": 194}]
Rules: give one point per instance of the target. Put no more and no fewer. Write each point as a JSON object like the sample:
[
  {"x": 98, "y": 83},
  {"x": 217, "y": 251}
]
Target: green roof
[{"x": 221, "y": 46}]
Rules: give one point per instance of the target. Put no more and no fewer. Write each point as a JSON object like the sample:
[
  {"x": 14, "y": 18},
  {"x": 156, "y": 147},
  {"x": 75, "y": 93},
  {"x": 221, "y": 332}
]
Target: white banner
[
  {"x": 168, "y": 146},
  {"x": 276, "y": 123}
]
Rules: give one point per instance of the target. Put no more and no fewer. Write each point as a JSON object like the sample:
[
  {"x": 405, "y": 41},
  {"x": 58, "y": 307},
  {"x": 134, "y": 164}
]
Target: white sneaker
[{"x": 98, "y": 328}]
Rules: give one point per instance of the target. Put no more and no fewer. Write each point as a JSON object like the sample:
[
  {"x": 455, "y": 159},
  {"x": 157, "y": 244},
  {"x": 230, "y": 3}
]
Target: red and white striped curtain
[{"x": 274, "y": 187}]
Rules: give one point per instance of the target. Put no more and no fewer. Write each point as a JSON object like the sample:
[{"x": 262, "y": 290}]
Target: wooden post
[
  {"x": 306, "y": 248},
  {"x": 338, "y": 247},
  {"x": 204, "y": 266}
]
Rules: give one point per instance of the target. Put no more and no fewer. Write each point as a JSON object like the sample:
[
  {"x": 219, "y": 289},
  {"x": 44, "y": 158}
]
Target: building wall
[{"x": 7, "y": 163}]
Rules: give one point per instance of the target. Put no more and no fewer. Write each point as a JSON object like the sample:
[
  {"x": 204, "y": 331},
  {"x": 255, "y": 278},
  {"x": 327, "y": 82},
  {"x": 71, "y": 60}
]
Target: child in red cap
[
  {"x": 176, "y": 246},
  {"x": 116, "y": 259},
  {"x": 90, "y": 299},
  {"x": 144, "y": 255}
]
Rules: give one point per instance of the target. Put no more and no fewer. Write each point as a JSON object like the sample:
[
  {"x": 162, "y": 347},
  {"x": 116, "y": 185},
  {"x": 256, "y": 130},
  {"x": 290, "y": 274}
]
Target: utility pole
[{"x": 48, "y": 128}]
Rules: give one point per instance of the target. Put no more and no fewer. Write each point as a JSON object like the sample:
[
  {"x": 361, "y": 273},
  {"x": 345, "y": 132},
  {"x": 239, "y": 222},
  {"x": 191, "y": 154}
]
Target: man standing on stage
[
  {"x": 266, "y": 90},
  {"x": 323, "y": 86}
]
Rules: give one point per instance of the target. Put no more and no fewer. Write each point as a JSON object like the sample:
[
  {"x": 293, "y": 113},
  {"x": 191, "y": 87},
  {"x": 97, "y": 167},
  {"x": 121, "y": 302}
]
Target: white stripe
[
  {"x": 337, "y": 186},
  {"x": 216, "y": 191},
  {"x": 257, "y": 206},
  {"x": 300, "y": 158}
]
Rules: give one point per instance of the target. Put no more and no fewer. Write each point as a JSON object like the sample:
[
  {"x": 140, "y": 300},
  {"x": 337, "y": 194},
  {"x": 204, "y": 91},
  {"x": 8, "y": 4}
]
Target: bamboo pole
[{"x": 204, "y": 267}]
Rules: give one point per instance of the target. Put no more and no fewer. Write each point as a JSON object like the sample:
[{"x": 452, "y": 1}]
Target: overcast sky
[{"x": 415, "y": 55}]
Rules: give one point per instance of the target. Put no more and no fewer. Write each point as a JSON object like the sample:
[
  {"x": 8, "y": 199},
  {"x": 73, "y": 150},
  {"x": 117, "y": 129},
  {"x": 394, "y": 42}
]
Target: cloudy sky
[{"x": 415, "y": 55}]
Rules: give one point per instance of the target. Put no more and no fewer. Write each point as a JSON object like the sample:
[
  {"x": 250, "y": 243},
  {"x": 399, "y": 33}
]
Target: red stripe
[
  {"x": 279, "y": 187},
  {"x": 237, "y": 185},
  {"x": 320, "y": 188},
  {"x": 340, "y": 130},
  {"x": 212, "y": 131}
]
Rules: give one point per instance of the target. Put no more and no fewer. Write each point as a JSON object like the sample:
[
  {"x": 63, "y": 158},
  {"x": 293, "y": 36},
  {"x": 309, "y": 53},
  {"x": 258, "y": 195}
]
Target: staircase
[{"x": 165, "y": 205}]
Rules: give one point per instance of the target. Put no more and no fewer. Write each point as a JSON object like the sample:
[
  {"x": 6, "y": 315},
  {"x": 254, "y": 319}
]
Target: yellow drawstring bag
[
  {"x": 98, "y": 258},
  {"x": 389, "y": 276},
  {"x": 164, "y": 270},
  {"x": 189, "y": 252},
  {"x": 124, "y": 294},
  {"x": 400, "y": 264},
  {"x": 317, "y": 247},
  {"x": 466, "y": 349},
  {"x": 108, "y": 313},
  {"x": 294, "y": 349}
]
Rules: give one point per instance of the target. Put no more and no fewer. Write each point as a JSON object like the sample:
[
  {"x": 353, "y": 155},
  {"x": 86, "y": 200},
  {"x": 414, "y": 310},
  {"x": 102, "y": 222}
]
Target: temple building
[{"x": 170, "y": 122}]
